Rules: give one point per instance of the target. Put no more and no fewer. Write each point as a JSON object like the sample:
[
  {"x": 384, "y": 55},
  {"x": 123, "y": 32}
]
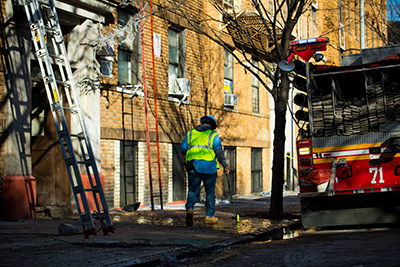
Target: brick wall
[
  {"x": 108, "y": 169},
  {"x": 244, "y": 170},
  {"x": 238, "y": 127}
]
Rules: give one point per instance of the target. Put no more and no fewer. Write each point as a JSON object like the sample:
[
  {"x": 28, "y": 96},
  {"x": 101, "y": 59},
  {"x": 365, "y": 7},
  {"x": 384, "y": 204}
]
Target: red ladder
[{"x": 149, "y": 74}]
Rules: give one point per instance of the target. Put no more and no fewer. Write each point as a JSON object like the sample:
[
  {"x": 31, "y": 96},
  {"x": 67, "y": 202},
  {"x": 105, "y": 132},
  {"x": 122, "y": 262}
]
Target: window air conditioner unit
[
  {"x": 179, "y": 87},
  {"x": 230, "y": 100}
]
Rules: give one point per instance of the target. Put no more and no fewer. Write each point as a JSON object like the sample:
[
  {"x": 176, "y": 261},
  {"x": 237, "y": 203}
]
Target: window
[
  {"x": 228, "y": 72},
  {"x": 127, "y": 54},
  {"x": 176, "y": 68},
  {"x": 256, "y": 170},
  {"x": 255, "y": 89},
  {"x": 314, "y": 14},
  {"x": 349, "y": 18}
]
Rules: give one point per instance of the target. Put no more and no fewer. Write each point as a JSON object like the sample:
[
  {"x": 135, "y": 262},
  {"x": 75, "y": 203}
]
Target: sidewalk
[{"x": 142, "y": 237}]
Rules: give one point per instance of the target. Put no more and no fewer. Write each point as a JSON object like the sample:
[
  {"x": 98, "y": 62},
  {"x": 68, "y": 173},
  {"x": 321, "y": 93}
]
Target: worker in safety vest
[{"x": 201, "y": 146}]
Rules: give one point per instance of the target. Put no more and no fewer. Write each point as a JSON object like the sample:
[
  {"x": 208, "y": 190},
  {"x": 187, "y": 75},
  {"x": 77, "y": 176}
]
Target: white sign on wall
[{"x": 157, "y": 45}]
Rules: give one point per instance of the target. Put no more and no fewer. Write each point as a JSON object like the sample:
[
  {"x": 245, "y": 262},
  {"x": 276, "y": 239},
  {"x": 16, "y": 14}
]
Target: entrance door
[
  {"x": 178, "y": 174},
  {"x": 48, "y": 165},
  {"x": 129, "y": 177},
  {"x": 230, "y": 154},
  {"x": 256, "y": 170}
]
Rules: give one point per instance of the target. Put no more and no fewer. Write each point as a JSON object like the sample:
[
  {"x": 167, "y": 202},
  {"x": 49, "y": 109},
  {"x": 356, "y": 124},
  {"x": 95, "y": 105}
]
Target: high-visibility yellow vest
[{"x": 200, "y": 145}]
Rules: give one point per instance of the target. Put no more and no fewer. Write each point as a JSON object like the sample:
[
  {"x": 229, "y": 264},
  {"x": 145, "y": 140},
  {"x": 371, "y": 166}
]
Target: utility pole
[{"x": 362, "y": 25}]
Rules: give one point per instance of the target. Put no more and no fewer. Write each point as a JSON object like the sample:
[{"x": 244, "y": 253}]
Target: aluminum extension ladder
[
  {"x": 46, "y": 31},
  {"x": 149, "y": 79}
]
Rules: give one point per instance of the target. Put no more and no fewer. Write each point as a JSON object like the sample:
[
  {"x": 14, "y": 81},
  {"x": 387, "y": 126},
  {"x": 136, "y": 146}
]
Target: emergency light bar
[
  {"x": 307, "y": 47},
  {"x": 310, "y": 40}
]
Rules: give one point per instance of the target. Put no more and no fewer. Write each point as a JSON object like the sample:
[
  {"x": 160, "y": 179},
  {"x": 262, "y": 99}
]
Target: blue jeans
[{"x": 209, "y": 180}]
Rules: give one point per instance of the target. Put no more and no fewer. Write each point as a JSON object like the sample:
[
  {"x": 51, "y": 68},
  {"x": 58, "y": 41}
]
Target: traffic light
[
  {"x": 302, "y": 101},
  {"x": 300, "y": 83},
  {"x": 299, "y": 67}
]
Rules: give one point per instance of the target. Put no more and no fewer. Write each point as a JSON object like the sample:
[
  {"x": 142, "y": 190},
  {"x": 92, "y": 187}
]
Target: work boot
[
  {"x": 189, "y": 216},
  {"x": 211, "y": 219}
]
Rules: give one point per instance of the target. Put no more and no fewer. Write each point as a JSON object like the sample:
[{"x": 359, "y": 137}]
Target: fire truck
[{"x": 348, "y": 148}]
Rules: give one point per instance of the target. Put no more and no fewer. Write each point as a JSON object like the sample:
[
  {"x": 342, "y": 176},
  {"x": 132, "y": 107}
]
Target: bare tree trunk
[{"x": 276, "y": 205}]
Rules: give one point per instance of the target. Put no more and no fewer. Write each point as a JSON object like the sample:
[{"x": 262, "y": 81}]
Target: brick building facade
[{"x": 116, "y": 118}]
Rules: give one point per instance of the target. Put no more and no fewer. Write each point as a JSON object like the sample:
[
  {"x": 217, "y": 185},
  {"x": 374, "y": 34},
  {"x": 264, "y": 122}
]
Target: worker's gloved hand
[{"x": 226, "y": 170}]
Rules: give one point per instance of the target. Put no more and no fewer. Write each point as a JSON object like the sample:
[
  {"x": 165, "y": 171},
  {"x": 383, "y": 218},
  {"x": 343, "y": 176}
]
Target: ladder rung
[
  {"x": 41, "y": 52},
  {"x": 55, "y": 106},
  {"x": 48, "y": 79},
  {"x": 80, "y": 136},
  {"x": 93, "y": 189},
  {"x": 78, "y": 190},
  {"x": 44, "y": 3},
  {"x": 70, "y": 161},
  {"x": 34, "y": 26},
  {"x": 65, "y": 84},
  {"x": 63, "y": 133},
  {"x": 54, "y": 31}
]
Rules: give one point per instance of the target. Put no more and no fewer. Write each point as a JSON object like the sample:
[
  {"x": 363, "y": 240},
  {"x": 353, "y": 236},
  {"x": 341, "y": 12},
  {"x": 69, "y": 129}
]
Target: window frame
[
  {"x": 255, "y": 88},
  {"x": 228, "y": 68},
  {"x": 130, "y": 74},
  {"x": 181, "y": 62}
]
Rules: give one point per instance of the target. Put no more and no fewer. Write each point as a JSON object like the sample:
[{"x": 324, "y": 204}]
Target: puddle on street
[{"x": 226, "y": 224}]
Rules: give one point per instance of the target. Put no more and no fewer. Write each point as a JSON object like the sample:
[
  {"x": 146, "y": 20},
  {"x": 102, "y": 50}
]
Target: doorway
[
  {"x": 178, "y": 174},
  {"x": 256, "y": 170},
  {"x": 129, "y": 175},
  {"x": 230, "y": 154},
  {"x": 48, "y": 165}
]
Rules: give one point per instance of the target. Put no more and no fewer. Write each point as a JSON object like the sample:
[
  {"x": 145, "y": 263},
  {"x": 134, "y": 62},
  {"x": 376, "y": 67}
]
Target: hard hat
[{"x": 209, "y": 119}]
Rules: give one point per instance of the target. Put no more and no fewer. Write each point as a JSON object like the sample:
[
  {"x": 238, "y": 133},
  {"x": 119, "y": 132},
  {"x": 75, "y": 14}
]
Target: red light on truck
[{"x": 305, "y": 161}]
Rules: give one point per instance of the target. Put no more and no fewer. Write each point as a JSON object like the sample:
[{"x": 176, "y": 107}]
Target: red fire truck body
[{"x": 349, "y": 156}]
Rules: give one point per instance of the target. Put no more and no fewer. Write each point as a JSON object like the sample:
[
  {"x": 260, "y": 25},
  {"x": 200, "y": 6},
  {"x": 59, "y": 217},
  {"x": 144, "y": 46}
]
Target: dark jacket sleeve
[{"x": 221, "y": 157}]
